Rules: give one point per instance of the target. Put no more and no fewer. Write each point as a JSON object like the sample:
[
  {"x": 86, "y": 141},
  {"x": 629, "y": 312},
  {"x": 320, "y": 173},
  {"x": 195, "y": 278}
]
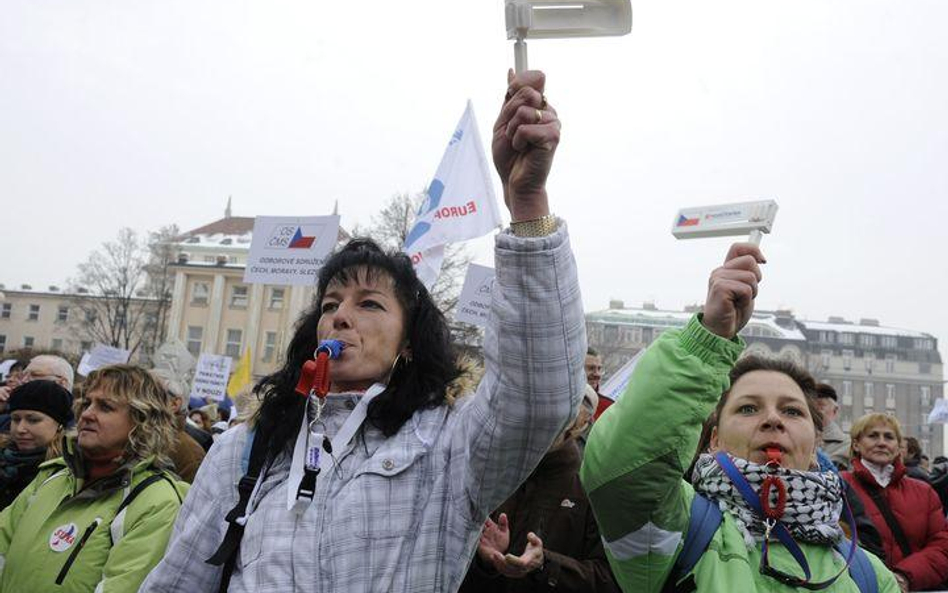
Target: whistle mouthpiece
[
  {"x": 774, "y": 455},
  {"x": 333, "y": 348}
]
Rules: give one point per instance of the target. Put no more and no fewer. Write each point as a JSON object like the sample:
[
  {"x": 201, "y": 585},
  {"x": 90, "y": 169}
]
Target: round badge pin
[{"x": 63, "y": 537}]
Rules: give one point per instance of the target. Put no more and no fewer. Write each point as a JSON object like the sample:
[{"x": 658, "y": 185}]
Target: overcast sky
[{"x": 141, "y": 114}]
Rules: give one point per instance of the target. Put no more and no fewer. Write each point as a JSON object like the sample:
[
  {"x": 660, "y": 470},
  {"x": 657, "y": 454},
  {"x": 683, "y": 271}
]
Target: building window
[
  {"x": 870, "y": 361},
  {"x": 276, "y": 297},
  {"x": 847, "y": 339},
  {"x": 847, "y": 359},
  {"x": 827, "y": 337},
  {"x": 890, "y": 342},
  {"x": 890, "y": 397},
  {"x": 869, "y": 388},
  {"x": 195, "y": 336},
  {"x": 58, "y": 344},
  {"x": 269, "y": 346},
  {"x": 847, "y": 393},
  {"x": 28, "y": 341},
  {"x": 238, "y": 296},
  {"x": 5, "y": 310},
  {"x": 3, "y": 342},
  {"x": 34, "y": 313},
  {"x": 926, "y": 395},
  {"x": 867, "y": 340},
  {"x": 847, "y": 424},
  {"x": 869, "y": 396},
  {"x": 232, "y": 347},
  {"x": 890, "y": 363},
  {"x": 199, "y": 293},
  {"x": 924, "y": 344},
  {"x": 825, "y": 357},
  {"x": 62, "y": 314},
  {"x": 85, "y": 346}
]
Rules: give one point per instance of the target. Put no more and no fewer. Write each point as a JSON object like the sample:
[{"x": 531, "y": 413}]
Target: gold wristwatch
[{"x": 537, "y": 227}]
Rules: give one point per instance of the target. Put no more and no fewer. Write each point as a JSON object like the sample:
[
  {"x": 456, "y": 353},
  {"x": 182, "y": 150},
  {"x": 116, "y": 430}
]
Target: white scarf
[{"x": 882, "y": 474}]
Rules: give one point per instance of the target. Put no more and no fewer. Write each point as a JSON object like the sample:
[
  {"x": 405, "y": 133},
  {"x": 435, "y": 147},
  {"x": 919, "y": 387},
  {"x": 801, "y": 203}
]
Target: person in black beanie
[{"x": 40, "y": 411}]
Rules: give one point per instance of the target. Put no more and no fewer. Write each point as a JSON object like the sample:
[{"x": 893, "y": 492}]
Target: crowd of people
[{"x": 377, "y": 460}]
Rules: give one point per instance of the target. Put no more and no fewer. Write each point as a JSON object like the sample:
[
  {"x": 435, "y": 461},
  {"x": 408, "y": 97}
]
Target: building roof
[
  {"x": 229, "y": 225},
  {"x": 863, "y": 329}
]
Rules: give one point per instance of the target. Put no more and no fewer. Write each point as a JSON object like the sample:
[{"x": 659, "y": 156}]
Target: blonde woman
[
  {"x": 39, "y": 413},
  {"x": 907, "y": 512},
  {"x": 99, "y": 517}
]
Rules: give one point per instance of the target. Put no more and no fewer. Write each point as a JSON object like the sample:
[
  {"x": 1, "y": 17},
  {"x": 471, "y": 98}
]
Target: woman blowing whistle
[
  {"x": 397, "y": 478},
  {"x": 770, "y": 517}
]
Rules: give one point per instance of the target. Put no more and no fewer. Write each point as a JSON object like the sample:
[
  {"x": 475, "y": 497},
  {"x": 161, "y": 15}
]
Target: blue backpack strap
[
  {"x": 861, "y": 570},
  {"x": 248, "y": 447},
  {"x": 702, "y": 525}
]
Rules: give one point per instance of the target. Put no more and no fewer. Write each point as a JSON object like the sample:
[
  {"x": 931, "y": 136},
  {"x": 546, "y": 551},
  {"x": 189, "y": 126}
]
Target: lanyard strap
[
  {"x": 783, "y": 534},
  {"x": 299, "y": 475}
]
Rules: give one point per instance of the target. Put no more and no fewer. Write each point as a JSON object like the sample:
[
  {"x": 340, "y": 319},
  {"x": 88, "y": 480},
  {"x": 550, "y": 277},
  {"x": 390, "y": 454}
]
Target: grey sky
[{"x": 146, "y": 113}]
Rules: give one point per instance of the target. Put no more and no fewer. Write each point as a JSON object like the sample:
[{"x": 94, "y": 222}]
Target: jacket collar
[
  {"x": 866, "y": 477},
  {"x": 565, "y": 459},
  {"x": 120, "y": 478}
]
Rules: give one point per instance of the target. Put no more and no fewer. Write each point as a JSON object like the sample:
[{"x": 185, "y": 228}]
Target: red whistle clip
[{"x": 314, "y": 376}]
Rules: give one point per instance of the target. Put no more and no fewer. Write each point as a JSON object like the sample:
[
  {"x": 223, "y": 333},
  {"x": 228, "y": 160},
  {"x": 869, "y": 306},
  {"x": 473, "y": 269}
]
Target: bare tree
[
  {"x": 390, "y": 229},
  {"x": 112, "y": 307},
  {"x": 159, "y": 278}
]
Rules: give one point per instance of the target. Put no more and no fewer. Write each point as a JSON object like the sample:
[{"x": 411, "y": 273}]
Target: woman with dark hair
[
  {"x": 757, "y": 514},
  {"x": 39, "y": 414},
  {"x": 385, "y": 483}
]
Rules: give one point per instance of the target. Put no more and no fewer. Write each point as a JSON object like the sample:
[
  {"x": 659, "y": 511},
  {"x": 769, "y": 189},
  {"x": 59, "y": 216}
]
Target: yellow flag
[{"x": 241, "y": 376}]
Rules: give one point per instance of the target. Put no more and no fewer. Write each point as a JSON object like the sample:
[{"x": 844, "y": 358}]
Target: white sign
[
  {"x": 725, "y": 220},
  {"x": 474, "y": 302},
  {"x": 5, "y": 367},
  {"x": 459, "y": 204},
  {"x": 290, "y": 250},
  {"x": 615, "y": 386},
  {"x": 939, "y": 413},
  {"x": 210, "y": 379},
  {"x": 101, "y": 356}
]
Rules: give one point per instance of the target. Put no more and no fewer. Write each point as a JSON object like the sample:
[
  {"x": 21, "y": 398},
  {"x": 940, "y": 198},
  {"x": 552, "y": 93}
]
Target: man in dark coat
[{"x": 544, "y": 537}]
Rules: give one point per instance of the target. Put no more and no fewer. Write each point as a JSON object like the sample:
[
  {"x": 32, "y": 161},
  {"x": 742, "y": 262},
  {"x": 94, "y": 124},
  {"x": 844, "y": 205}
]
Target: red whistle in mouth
[
  {"x": 314, "y": 376},
  {"x": 774, "y": 455}
]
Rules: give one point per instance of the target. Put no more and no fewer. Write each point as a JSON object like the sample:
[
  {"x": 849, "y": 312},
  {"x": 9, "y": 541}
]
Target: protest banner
[
  {"x": 100, "y": 356},
  {"x": 211, "y": 376},
  {"x": 474, "y": 301},
  {"x": 459, "y": 204},
  {"x": 290, "y": 250}
]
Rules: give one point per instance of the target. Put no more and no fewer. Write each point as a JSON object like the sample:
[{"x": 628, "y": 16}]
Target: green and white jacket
[
  {"x": 634, "y": 462},
  {"x": 59, "y": 529}
]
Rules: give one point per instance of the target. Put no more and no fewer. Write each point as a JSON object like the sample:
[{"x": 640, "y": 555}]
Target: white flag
[
  {"x": 939, "y": 413},
  {"x": 615, "y": 386},
  {"x": 460, "y": 202}
]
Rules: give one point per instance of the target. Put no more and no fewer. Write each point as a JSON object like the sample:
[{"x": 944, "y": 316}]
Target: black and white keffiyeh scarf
[{"x": 814, "y": 499}]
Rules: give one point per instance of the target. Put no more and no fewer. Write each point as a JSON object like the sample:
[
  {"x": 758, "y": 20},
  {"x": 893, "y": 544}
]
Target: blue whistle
[{"x": 331, "y": 347}]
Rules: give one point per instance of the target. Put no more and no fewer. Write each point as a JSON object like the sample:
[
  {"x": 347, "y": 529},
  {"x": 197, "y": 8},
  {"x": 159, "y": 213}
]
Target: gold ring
[
  {"x": 539, "y": 116},
  {"x": 542, "y": 101}
]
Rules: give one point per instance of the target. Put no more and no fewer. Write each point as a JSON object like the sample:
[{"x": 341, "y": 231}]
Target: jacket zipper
[{"x": 75, "y": 551}]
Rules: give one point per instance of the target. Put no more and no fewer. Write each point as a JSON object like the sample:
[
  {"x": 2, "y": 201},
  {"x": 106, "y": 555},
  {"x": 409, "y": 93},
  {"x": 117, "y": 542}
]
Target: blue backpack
[{"x": 705, "y": 520}]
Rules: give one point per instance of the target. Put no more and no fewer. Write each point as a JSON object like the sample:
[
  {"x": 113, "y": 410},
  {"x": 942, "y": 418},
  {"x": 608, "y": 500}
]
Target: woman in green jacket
[
  {"x": 98, "y": 519},
  {"x": 766, "y": 430}
]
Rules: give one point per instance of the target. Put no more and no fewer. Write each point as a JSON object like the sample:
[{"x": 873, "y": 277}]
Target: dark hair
[
  {"x": 913, "y": 449},
  {"x": 420, "y": 383},
  {"x": 798, "y": 374},
  {"x": 590, "y": 351},
  {"x": 825, "y": 391}
]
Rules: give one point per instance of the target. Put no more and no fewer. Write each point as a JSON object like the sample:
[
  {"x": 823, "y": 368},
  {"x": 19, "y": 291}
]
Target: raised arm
[
  {"x": 640, "y": 447},
  {"x": 536, "y": 340}
]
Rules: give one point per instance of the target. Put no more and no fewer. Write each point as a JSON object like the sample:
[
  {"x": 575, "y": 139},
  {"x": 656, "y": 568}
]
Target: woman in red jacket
[{"x": 906, "y": 511}]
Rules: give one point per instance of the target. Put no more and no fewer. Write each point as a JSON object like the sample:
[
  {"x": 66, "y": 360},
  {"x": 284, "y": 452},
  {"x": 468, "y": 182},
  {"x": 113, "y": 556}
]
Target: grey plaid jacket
[{"x": 404, "y": 513}]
